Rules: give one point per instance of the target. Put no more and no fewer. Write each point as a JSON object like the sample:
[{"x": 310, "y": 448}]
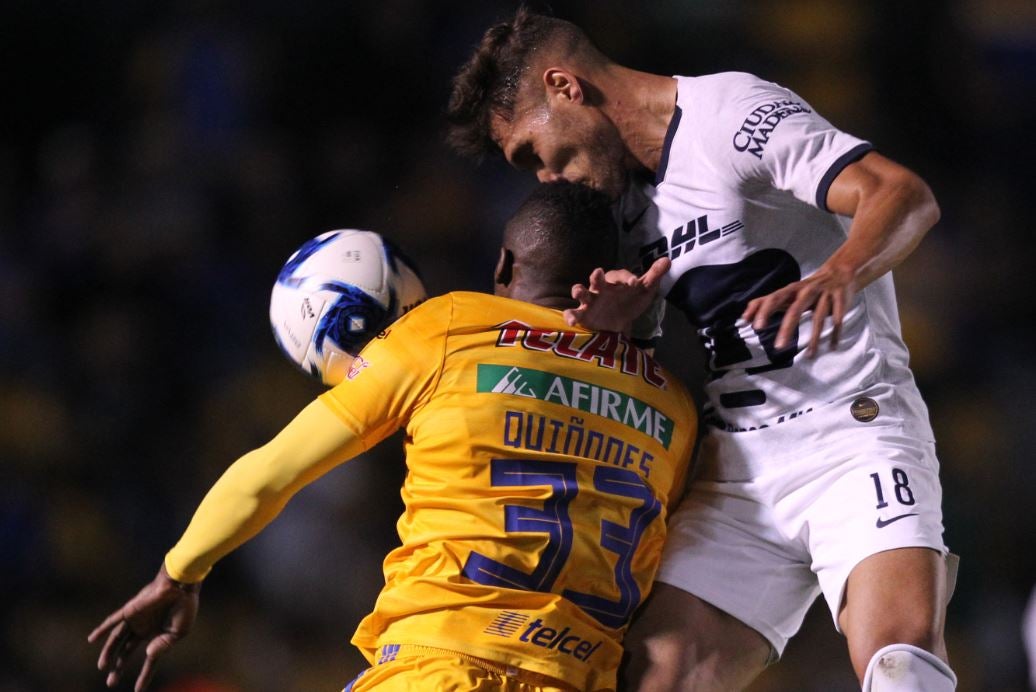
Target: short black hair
[{"x": 566, "y": 230}]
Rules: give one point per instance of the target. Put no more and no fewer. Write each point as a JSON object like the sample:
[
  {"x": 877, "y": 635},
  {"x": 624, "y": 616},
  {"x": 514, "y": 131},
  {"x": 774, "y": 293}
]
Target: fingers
[
  {"x": 147, "y": 671},
  {"x": 831, "y": 302},
  {"x": 820, "y": 313},
  {"x": 109, "y": 622},
  {"x": 158, "y": 646},
  {"x": 120, "y": 646},
  {"x": 620, "y": 276},
  {"x": 655, "y": 272},
  {"x": 114, "y": 643},
  {"x": 751, "y": 309},
  {"x": 837, "y": 317},
  {"x": 597, "y": 280},
  {"x": 792, "y": 317},
  {"x": 794, "y": 299},
  {"x": 610, "y": 301},
  {"x": 584, "y": 297},
  {"x": 623, "y": 277},
  {"x": 758, "y": 311},
  {"x": 115, "y": 670}
]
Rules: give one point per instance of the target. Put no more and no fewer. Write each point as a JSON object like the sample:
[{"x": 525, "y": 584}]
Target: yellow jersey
[{"x": 541, "y": 459}]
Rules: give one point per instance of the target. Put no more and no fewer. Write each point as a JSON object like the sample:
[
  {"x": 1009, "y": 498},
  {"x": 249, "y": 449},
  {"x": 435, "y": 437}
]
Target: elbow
[
  {"x": 258, "y": 475},
  {"x": 926, "y": 204},
  {"x": 918, "y": 199},
  {"x": 934, "y": 211}
]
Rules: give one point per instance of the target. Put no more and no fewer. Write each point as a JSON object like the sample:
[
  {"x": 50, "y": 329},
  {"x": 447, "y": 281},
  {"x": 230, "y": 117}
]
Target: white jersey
[{"x": 739, "y": 206}]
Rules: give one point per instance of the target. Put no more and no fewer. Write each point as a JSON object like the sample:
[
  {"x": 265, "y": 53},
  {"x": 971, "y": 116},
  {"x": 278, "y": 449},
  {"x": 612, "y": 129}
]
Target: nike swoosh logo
[
  {"x": 627, "y": 226},
  {"x": 882, "y": 523}
]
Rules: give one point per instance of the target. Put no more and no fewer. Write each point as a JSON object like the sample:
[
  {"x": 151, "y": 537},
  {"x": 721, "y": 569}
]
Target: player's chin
[{"x": 613, "y": 183}]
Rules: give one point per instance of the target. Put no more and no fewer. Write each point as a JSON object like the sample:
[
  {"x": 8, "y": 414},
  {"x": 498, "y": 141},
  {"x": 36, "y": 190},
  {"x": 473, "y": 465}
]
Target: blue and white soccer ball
[{"x": 336, "y": 293}]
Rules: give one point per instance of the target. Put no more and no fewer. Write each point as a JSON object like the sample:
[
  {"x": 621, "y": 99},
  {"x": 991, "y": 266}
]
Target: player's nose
[{"x": 546, "y": 176}]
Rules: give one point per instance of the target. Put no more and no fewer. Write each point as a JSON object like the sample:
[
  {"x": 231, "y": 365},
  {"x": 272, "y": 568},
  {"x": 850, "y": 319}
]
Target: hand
[
  {"x": 827, "y": 292},
  {"x": 159, "y": 616},
  {"x": 614, "y": 299}
]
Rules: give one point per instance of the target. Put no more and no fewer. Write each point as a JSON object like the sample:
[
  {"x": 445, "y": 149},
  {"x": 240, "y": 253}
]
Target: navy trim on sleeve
[
  {"x": 851, "y": 156},
  {"x": 670, "y": 133}
]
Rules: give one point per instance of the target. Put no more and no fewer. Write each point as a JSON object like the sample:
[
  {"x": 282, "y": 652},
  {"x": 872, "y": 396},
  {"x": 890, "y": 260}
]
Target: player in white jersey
[{"x": 818, "y": 466}]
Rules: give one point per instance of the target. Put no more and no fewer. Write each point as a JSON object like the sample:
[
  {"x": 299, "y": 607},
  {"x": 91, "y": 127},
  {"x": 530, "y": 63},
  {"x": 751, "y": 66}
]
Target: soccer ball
[{"x": 336, "y": 293}]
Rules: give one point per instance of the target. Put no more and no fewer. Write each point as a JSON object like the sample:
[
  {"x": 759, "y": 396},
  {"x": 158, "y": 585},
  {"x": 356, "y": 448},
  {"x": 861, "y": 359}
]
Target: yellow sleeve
[
  {"x": 257, "y": 486},
  {"x": 393, "y": 375}
]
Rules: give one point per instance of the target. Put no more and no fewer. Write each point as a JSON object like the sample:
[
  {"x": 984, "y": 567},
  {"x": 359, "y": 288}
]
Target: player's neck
[
  {"x": 555, "y": 302},
  {"x": 556, "y": 297},
  {"x": 641, "y": 105}
]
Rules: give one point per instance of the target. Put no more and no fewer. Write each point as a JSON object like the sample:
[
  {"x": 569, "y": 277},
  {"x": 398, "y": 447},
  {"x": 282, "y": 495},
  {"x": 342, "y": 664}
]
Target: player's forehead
[{"x": 518, "y": 128}]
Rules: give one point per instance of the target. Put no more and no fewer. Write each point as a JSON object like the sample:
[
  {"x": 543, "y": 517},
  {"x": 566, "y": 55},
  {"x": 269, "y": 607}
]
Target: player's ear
[
  {"x": 561, "y": 83},
  {"x": 504, "y": 272}
]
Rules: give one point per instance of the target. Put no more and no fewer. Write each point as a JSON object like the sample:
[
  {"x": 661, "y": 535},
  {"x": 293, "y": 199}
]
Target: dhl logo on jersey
[{"x": 608, "y": 349}]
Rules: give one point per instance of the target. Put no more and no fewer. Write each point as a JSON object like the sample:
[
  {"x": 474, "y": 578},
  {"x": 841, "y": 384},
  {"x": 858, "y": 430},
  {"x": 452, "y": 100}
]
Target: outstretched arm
[
  {"x": 614, "y": 299},
  {"x": 243, "y": 501},
  {"x": 892, "y": 209}
]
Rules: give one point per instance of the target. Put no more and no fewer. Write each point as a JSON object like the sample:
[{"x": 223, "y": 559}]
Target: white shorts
[{"x": 776, "y": 516}]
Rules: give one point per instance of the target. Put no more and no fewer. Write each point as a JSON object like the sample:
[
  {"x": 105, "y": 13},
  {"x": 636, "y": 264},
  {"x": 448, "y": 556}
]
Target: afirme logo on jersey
[
  {"x": 755, "y": 131},
  {"x": 514, "y": 625},
  {"x": 572, "y": 393}
]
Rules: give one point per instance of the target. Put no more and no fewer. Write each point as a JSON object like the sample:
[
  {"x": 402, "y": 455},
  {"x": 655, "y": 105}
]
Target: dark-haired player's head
[
  {"x": 558, "y": 236},
  {"x": 529, "y": 92}
]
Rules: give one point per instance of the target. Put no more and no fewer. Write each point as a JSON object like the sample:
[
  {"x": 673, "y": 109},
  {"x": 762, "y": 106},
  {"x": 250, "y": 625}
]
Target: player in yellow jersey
[{"x": 541, "y": 461}]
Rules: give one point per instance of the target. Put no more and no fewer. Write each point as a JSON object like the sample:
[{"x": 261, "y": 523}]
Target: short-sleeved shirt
[
  {"x": 540, "y": 461},
  {"x": 739, "y": 205}
]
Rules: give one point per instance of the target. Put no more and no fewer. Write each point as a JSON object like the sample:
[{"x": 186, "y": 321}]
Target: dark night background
[{"x": 159, "y": 162}]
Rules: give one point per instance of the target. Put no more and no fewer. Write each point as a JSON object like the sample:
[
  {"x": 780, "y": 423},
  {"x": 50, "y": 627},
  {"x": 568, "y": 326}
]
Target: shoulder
[
  {"x": 711, "y": 109},
  {"x": 728, "y": 94},
  {"x": 467, "y": 307},
  {"x": 724, "y": 80},
  {"x": 472, "y": 310},
  {"x": 429, "y": 319},
  {"x": 432, "y": 307}
]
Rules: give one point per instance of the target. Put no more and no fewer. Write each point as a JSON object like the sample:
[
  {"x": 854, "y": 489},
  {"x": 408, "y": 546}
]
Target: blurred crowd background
[{"x": 159, "y": 161}]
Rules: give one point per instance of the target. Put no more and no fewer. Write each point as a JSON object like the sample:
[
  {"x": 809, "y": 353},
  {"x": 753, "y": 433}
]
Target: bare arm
[{"x": 892, "y": 209}]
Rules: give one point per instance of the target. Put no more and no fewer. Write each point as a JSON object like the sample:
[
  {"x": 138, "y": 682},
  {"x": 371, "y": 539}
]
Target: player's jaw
[{"x": 602, "y": 175}]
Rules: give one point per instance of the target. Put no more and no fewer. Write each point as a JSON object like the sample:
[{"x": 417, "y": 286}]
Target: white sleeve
[{"x": 772, "y": 135}]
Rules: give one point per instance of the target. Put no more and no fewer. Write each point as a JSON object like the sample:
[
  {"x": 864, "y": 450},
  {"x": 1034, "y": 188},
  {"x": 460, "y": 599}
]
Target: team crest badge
[{"x": 864, "y": 409}]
